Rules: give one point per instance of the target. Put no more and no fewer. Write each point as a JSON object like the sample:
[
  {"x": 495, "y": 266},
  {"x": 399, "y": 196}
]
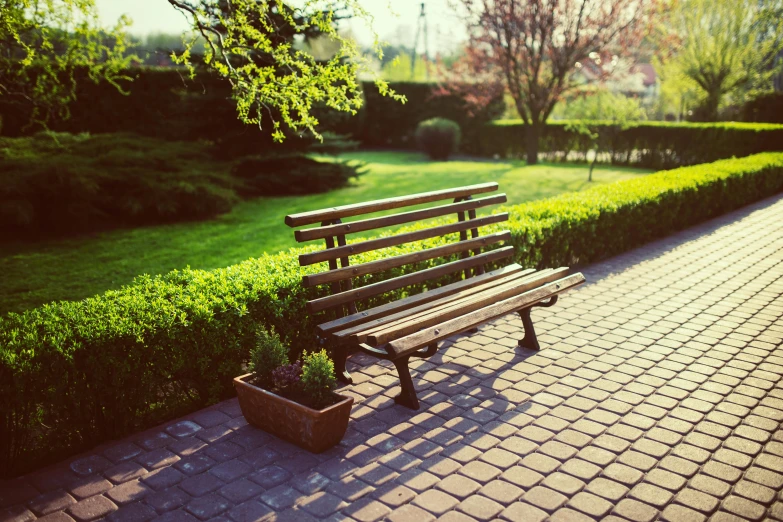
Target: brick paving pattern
[{"x": 657, "y": 395}]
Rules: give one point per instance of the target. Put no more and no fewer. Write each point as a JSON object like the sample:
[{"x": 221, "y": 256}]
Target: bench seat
[{"x": 413, "y": 326}]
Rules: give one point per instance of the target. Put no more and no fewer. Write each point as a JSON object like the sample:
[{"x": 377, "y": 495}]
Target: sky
[{"x": 396, "y": 26}]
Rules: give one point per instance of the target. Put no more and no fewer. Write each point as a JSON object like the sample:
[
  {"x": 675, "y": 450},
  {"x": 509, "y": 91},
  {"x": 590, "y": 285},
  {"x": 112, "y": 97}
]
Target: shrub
[
  {"x": 73, "y": 374},
  {"x": 288, "y": 376},
  {"x": 318, "y": 378},
  {"x": 293, "y": 175},
  {"x": 655, "y": 145},
  {"x": 53, "y": 184},
  {"x": 438, "y": 138},
  {"x": 268, "y": 355}
]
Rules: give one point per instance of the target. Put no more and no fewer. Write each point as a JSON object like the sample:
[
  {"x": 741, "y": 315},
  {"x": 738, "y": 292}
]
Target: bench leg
[
  {"x": 407, "y": 396},
  {"x": 529, "y": 340},
  {"x": 340, "y": 356}
]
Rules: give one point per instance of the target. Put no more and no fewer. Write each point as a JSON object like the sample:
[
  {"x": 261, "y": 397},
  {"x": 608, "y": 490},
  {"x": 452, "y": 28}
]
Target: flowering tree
[
  {"x": 253, "y": 44},
  {"x": 532, "y": 48}
]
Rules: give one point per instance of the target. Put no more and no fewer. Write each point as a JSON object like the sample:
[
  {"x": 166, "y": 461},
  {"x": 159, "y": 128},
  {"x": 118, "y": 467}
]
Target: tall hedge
[
  {"x": 655, "y": 145},
  {"x": 73, "y": 374},
  {"x": 164, "y": 103}
]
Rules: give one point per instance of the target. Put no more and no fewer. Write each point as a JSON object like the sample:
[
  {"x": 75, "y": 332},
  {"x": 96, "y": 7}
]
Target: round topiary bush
[{"x": 438, "y": 137}]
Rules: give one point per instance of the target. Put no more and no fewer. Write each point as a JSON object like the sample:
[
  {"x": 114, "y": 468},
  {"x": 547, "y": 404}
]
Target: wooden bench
[{"x": 412, "y": 326}]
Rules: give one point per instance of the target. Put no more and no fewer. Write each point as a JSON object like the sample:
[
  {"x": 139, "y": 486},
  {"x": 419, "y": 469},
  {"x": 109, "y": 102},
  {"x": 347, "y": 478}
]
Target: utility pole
[{"x": 421, "y": 27}]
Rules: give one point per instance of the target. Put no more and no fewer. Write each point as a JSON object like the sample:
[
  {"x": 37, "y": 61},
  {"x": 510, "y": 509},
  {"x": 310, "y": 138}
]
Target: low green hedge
[
  {"x": 655, "y": 145},
  {"x": 73, "y": 374}
]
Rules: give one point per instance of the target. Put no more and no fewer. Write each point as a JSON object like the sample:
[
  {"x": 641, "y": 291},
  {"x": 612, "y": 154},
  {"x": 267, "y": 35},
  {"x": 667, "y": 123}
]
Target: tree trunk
[
  {"x": 711, "y": 105},
  {"x": 532, "y": 133}
]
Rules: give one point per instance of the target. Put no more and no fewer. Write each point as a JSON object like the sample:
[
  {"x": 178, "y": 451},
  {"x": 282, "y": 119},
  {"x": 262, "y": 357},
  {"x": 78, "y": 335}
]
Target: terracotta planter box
[{"x": 313, "y": 430}]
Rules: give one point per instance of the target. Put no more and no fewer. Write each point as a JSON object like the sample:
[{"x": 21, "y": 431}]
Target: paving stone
[
  {"x": 607, "y": 489},
  {"x": 722, "y": 471},
  {"x": 202, "y": 484},
  {"x": 522, "y": 477},
  {"x": 623, "y": 474},
  {"x": 697, "y": 500},
  {"x": 435, "y": 502},
  {"x": 91, "y": 508},
  {"x": 167, "y": 499},
  {"x": 710, "y": 485},
  {"x": 590, "y": 504},
  {"x": 163, "y": 478},
  {"x": 545, "y": 499},
  {"x": 134, "y": 512},
  {"x": 755, "y": 492},
  {"x": 765, "y": 477},
  {"x": 743, "y": 507},
  {"x": 676, "y": 513},
  {"x": 665, "y": 479},
  {"x": 90, "y": 465},
  {"x": 650, "y": 494},
  {"x": 394, "y": 495},
  {"x": 635, "y": 511},
  {"x": 367, "y": 510},
  {"x": 480, "y": 471},
  {"x": 250, "y": 511},
  {"x": 563, "y": 483},
  {"x": 128, "y": 492},
  {"x": 208, "y": 506},
  {"x": 458, "y": 486},
  {"x": 409, "y": 512},
  {"x": 417, "y": 479},
  {"x": 50, "y": 502},
  {"x": 523, "y": 512}
]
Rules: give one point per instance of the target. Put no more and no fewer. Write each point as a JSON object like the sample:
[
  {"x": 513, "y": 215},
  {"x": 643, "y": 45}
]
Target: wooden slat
[
  {"x": 327, "y": 214},
  {"x": 364, "y": 292},
  {"x": 439, "y": 314},
  {"x": 410, "y": 343},
  {"x": 396, "y": 219},
  {"x": 361, "y": 333},
  {"x": 393, "y": 262},
  {"x": 424, "y": 297},
  {"x": 399, "y": 239}
]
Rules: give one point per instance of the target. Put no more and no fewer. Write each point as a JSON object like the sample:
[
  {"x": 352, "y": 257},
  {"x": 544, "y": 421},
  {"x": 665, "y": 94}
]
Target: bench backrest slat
[
  {"x": 393, "y": 262},
  {"x": 364, "y": 292},
  {"x": 338, "y": 253},
  {"x": 399, "y": 239},
  {"x": 364, "y": 225},
  {"x": 329, "y": 214}
]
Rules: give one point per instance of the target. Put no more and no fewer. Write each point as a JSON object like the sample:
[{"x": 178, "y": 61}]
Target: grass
[{"x": 39, "y": 272}]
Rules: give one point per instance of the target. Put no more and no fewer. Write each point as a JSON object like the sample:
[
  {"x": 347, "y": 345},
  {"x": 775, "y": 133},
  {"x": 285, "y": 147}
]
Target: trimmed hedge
[
  {"x": 59, "y": 184},
  {"x": 163, "y": 103},
  {"x": 655, "y": 145},
  {"x": 73, "y": 374}
]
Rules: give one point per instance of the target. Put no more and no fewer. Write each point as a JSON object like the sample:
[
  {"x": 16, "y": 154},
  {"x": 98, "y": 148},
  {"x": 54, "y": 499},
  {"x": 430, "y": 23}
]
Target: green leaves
[{"x": 274, "y": 81}]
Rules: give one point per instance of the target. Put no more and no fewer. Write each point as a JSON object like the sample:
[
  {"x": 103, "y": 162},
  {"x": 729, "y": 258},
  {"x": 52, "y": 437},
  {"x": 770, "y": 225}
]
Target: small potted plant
[{"x": 294, "y": 401}]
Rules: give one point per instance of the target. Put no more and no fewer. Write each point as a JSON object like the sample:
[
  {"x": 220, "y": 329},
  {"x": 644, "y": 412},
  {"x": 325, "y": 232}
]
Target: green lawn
[{"x": 39, "y": 272}]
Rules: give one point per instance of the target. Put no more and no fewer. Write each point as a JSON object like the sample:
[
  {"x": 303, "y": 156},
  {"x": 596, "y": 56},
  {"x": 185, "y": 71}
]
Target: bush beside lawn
[
  {"x": 73, "y": 374},
  {"x": 655, "y": 145}
]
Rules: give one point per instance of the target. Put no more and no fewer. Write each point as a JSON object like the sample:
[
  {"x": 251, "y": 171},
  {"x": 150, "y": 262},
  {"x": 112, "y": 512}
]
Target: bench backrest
[{"x": 334, "y": 232}]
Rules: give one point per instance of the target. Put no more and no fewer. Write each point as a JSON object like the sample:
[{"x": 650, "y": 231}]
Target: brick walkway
[{"x": 658, "y": 394}]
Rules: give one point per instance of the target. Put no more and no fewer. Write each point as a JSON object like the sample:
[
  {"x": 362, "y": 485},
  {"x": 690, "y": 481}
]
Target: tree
[
  {"x": 534, "y": 47},
  {"x": 593, "y": 111},
  {"x": 253, "y": 44},
  {"x": 43, "y": 45},
  {"x": 723, "y": 46}
]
